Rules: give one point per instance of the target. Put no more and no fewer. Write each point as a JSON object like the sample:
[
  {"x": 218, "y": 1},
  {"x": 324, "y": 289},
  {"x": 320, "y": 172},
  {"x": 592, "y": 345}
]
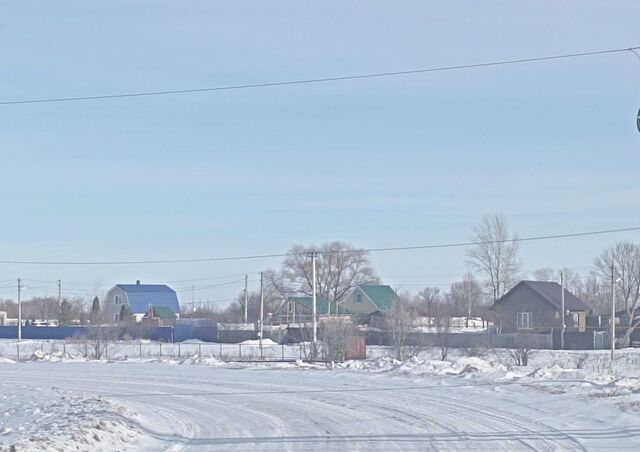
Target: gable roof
[
  {"x": 140, "y": 296},
  {"x": 161, "y": 312},
  {"x": 381, "y": 295},
  {"x": 552, "y": 293}
]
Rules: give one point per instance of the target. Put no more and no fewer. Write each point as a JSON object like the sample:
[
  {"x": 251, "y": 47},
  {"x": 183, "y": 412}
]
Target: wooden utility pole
[
  {"x": 59, "y": 292},
  {"x": 19, "y": 311},
  {"x": 563, "y": 311},
  {"x": 613, "y": 313},
  {"x": 246, "y": 299},
  {"x": 313, "y": 255},
  {"x": 261, "y": 312}
]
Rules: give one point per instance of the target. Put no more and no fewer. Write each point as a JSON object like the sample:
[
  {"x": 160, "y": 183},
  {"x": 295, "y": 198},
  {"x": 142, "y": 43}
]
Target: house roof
[
  {"x": 381, "y": 295},
  {"x": 552, "y": 293},
  {"x": 321, "y": 304},
  {"x": 161, "y": 312},
  {"x": 141, "y": 296}
]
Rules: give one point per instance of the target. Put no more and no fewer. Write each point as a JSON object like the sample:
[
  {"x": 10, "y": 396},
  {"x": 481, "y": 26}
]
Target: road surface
[{"x": 189, "y": 407}]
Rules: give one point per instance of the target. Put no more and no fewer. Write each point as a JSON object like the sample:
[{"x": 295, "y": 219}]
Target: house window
[
  {"x": 576, "y": 319},
  {"x": 291, "y": 306},
  {"x": 358, "y": 298},
  {"x": 524, "y": 320},
  {"x": 118, "y": 299}
]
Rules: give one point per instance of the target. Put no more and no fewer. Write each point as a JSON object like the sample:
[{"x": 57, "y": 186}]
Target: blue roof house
[{"x": 140, "y": 298}]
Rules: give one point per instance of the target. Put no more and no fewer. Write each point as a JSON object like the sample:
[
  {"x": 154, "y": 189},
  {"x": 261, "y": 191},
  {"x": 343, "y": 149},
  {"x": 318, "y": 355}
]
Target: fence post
[
  {"x": 199, "y": 350},
  {"x": 42, "y": 346},
  {"x": 160, "y": 349},
  {"x": 64, "y": 347},
  {"x": 282, "y": 352},
  {"x": 220, "y": 350},
  {"x": 240, "y": 348},
  {"x": 178, "y": 349}
]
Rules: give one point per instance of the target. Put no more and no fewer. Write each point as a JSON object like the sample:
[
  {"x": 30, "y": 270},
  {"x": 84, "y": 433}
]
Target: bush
[{"x": 521, "y": 351}]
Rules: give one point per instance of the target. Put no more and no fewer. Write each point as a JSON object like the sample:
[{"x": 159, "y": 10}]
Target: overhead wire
[
  {"x": 316, "y": 80},
  {"x": 358, "y": 250}
]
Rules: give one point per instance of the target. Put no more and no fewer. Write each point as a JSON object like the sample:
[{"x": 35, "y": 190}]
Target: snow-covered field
[{"x": 560, "y": 401}]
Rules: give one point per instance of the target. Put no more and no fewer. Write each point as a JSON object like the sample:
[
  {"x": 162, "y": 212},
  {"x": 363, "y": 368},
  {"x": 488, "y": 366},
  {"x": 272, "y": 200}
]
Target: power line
[
  {"x": 360, "y": 250},
  {"x": 209, "y": 286},
  {"x": 316, "y": 80},
  {"x": 221, "y": 300},
  {"x": 205, "y": 279}
]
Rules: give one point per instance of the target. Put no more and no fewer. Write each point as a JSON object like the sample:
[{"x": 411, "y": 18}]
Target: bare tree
[
  {"x": 398, "y": 322},
  {"x": 544, "y": 274},
  {"x": 572, "y": 280},
  {"x": 624, "y": 260},
  {"x": 426, "y": 300},
  {"x": 339, "y": 269},
  {"x": 442, "y": 320},
  {"x": 495, "y": 254},
  {"x": 96, "y": 343},
  {"x": 596, "y": 294},
  {"x": 465, "y": 296}
]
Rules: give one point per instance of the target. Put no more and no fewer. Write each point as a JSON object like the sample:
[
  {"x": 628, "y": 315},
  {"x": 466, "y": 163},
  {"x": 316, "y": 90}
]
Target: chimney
[{"x": 137, "y": 282}]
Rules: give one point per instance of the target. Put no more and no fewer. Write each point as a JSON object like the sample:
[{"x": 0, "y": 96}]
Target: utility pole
[
  {"x": 613, "y": 314},
  {"x": 59, "y": 292},
  {"x": 313, "y": 255},
  {"x": 261, "y": 312},
  {"x": 563, "y": 311},
  {"x": 246, "y": 299},
  {"x": 19, "y": 311}
]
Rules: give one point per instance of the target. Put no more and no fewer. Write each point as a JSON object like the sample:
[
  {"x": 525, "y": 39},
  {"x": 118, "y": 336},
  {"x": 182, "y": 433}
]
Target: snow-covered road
[{"x": 213, "y": 408}]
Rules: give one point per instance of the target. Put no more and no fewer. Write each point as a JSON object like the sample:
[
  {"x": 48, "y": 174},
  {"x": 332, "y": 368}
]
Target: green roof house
[
  {"x": 161, "y": 312},
  {"x": 366, "y": 299},
  {"x": 300, "y": 309}
]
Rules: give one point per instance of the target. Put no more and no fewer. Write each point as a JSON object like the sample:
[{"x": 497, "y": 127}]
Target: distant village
[{"x": 491, "y": 307}]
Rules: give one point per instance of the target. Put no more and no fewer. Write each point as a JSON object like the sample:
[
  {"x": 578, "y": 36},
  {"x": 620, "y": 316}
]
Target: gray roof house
[
  {"x": 140, "y": 298},
  {"x": 536, "y": 306}
]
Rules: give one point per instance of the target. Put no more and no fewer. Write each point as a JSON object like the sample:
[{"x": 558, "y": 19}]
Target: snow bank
[
  {"x": 464, "y": 366},
  {"x": 554, "y": 372},
  {"x": 256, "y": 342},
  {"x": 35, "y": 419}
]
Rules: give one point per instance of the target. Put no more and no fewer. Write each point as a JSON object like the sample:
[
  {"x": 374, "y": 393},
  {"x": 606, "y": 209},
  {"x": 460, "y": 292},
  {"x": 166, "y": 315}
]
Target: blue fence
[
  {"x": 161, "y": 333},
  {"x": 203, "y": 333}
]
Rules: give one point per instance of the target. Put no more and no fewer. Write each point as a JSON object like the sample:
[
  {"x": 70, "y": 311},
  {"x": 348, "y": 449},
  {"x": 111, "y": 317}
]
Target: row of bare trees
[{"x": 48, "y": 308}]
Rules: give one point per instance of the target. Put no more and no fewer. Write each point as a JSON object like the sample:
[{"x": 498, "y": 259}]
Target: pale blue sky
[{"x": 381, "y": 162}]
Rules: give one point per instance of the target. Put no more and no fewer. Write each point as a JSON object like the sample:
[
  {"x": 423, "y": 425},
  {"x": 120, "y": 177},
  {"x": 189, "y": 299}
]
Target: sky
[{"x": 407, "y": 160}]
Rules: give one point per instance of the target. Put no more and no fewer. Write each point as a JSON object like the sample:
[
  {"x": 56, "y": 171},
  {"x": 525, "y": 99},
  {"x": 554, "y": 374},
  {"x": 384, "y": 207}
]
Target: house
[
  {"x": 367, "y": 299},
  {"x": 535, "y": 306},
  {"x": 140, "y": 298},
  {"x": 159, "y": 316},
  {"x": 300, "y": 310}
]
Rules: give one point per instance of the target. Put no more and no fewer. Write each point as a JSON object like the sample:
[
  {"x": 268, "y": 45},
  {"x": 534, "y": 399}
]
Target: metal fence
[{"x": 116, "y": 350}]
